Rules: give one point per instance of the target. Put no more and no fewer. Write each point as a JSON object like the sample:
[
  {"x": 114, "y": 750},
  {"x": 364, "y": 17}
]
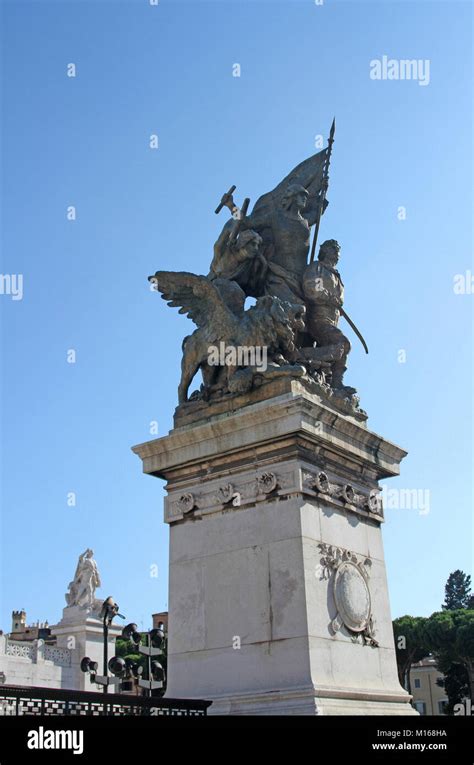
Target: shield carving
[{"x": 352, "y": 596}]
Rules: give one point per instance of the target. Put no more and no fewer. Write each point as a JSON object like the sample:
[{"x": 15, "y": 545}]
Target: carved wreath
[
  {"x": 267, "y": 482},
  {"x": 321, "y": 483},
  {"x": 350, "y": 585},
  {"x": 186, "y": 502}
]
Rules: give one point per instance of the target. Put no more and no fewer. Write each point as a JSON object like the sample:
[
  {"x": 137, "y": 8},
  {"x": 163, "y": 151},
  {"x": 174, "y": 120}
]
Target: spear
[{"x": 323, "y": 192}]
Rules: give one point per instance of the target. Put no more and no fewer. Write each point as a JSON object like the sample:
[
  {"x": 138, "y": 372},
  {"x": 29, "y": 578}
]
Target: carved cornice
[
  {"x": 290, "y": 418},
  {"x": 249, "y": 488},
  {"x": 320, "y": 484}
]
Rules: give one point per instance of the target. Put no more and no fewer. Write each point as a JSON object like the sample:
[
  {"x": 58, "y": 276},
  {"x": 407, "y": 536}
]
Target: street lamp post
[
  {"x": 108, "y": 611},
  {"x": 126, "y": 668},
  {"x": 155, "y": 639}
]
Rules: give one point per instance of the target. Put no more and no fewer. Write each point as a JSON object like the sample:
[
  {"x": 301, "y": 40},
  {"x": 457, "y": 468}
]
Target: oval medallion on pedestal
[{"x": 352, "y": 597}]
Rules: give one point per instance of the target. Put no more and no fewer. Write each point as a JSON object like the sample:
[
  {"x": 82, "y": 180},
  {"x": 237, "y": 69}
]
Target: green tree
[
  {"x": 128, "y": 650},
  {"x": 456, "y": 678},
  {"x": 450, "y": 636},
  {"x": 410, "y": 647},
  {"x": 457, "y": 591},
  {"x": 455, "y": 682}
]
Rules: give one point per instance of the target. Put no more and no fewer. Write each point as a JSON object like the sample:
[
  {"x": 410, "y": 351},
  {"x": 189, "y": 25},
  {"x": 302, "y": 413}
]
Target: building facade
[
  {"x": 428, "y": 697},
  {"x": 35, "y": 663}
]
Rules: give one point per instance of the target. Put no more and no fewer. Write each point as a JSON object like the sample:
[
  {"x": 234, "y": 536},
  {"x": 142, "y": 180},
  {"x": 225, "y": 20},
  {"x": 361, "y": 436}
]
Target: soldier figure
[{"x": 324, "y": 295}]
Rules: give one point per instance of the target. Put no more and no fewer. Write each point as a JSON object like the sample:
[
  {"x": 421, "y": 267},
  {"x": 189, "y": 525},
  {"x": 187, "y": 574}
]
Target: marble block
[
  {"x": 278, "y": 598},
  {"x": 82, "y": 633}
]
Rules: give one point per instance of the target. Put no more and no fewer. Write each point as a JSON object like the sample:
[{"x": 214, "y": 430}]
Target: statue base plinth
[
  {"x": 311, "y": 701},
  {"x": 201, "y": 410},
  {"x": 278, "y": 600},
  {"x": 82, "y": 632}
]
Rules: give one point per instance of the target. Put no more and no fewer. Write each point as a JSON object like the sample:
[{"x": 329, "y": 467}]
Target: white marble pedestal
[
  {"x": 82, "y": 632},
  {"x": 278, "y": 600}
]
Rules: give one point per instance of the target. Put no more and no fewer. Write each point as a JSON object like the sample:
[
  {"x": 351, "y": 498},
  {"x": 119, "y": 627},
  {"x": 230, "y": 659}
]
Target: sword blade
[{"x": 351, "y": 324}]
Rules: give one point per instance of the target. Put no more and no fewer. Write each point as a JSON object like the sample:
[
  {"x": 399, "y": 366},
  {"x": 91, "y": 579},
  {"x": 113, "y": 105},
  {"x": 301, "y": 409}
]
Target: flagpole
[{"x": 323, "y": 193}]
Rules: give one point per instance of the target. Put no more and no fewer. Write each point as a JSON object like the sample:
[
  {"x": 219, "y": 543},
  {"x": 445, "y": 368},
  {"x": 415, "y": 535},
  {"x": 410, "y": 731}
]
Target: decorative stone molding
[
  {"x": 25, "y": 650},
  {"x": 186, "y": 503},
  {"x": 374, "y": 502},
  {"x": 225, "y": 493},
  {"x": 245, "y": 489},
  {"x": 60, "y": 656},
  {"x": 346, "y": 493},
  {"x": 267, "y": 482},
  {"x": 321, "y": 483},
  {"x": 350, "y": 586},
  {"x": 249, "y": 488}
]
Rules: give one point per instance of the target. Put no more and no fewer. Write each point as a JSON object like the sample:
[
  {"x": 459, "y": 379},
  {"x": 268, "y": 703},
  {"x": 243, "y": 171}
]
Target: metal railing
[{"x": 20, "y": 700}]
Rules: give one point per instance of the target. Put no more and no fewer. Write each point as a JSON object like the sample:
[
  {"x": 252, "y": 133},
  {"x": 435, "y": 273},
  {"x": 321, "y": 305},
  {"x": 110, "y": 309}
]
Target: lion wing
[{"x": 195, "y": 296}]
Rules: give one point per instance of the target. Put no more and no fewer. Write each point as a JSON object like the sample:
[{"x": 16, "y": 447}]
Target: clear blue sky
[{"x": 83, "y": 141}]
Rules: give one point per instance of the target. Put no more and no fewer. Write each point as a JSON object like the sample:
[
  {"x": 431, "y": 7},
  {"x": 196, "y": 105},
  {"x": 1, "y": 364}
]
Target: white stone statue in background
[{"x": 86, "y": 580}]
